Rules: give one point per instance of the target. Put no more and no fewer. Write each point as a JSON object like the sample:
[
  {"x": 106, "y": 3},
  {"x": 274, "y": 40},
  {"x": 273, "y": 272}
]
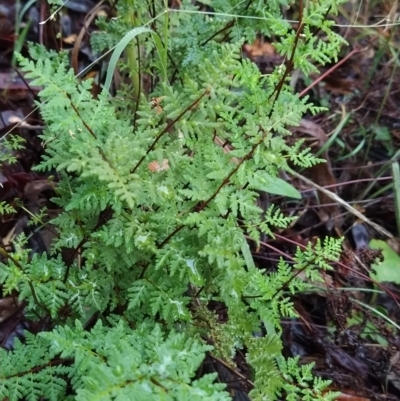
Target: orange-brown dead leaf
[
  {"x": 70, "y": 39},
  {"x": 156, "y": 167},
  {"x": 259, "y": 49},
  {"x": 156, "y": 103}
]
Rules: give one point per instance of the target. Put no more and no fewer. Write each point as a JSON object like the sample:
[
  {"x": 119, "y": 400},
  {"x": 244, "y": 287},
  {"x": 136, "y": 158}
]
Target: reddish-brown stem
[
  {"x": 204, "y": 204},
  {"x": 37, "y": 369},
  {"x": 80, "y": 117},
  {"x": 167, "y": 128},
  {"x": 290, "y": 64},
  {"x": 326, "y": 73},
  {"x": 365, "y": 277}
]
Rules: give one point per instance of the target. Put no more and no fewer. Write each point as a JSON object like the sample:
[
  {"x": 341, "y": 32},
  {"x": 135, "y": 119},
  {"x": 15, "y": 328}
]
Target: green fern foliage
[
  {"x": 141, "y": 364},
  {"x": 158, "y": 197}
]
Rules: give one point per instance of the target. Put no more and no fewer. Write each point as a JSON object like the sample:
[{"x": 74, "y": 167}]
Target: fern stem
[{"x": 168, "y": 127}]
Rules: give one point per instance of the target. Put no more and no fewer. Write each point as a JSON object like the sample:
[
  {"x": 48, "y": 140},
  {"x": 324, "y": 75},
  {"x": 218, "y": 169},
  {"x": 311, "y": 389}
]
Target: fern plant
[{"x": 156, "y": 212}]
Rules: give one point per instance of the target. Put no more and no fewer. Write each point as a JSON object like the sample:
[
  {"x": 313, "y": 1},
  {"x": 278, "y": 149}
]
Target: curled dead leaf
[
  {"x": 70, "y": 39},
  {"x": 156, "y": 103}
]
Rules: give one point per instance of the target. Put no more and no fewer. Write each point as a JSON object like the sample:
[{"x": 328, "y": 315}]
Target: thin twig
[{"x": 338, "y": 199}]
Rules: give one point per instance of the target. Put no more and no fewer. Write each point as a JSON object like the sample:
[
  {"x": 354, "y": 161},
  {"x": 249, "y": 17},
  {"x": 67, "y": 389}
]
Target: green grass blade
[
  {"x": 162, "y": 53},
  {"x": 380, "y": 314},
  {"x": 21, "y": 14},
  {"x": 248, "y": 257},
  {"x": 353, "y": 152},
  {"x": 20, "y": 42},
  {"x": 334, "y": 135},
  {"x": 396, "y": 180},
  {"x": 118, "y": 51}
]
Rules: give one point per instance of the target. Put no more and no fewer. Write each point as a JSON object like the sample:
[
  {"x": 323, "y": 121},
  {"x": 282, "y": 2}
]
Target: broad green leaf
[
  {"x": 389, "y": 269},
  {"x": 275, "y": 186}
]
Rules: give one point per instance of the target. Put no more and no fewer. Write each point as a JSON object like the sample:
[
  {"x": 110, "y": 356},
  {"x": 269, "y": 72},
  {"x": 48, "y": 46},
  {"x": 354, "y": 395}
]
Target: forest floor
[{"x": 350, "y": 328}]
